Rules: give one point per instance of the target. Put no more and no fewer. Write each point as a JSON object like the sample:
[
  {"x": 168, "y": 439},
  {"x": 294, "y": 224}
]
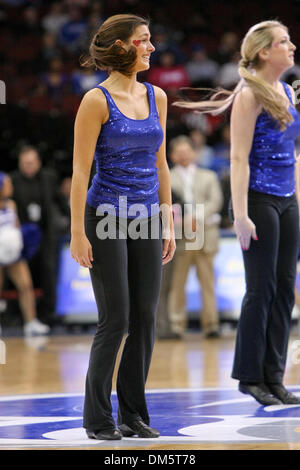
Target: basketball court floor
[{"x": 192, "y": 399}]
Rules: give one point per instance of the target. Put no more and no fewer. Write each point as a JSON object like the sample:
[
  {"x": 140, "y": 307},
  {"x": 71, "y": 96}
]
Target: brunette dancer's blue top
[
  {"x": 272, "y": 156},
  {"x": 125, "y": 162}
]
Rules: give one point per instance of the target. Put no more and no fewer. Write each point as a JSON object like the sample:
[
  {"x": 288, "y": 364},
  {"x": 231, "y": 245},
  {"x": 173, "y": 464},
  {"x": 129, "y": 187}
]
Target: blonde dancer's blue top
[
  {"x": 272, "y": 156},
  {"x": 126, "y": 173}
]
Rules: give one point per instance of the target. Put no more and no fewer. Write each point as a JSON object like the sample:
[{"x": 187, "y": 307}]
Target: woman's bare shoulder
[
  {"x": 95, "y": 97},
  {"x": 245, "y": 99},
  {"x": 160, "y": 94},
  {"x": 94, "y": 105}
]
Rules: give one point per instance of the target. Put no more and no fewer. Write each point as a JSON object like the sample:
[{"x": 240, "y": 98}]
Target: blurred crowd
[
  {"x": 41, "y": 42},
  {"x": 197, "y": 45}
]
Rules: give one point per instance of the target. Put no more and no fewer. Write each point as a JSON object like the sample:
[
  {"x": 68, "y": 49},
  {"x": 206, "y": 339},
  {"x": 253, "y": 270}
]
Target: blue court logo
[{"x": 181, "y": 415}]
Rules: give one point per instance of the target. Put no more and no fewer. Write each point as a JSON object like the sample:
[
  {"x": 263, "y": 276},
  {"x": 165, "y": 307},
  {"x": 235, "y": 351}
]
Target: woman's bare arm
[
  {"x": 90, "y": 116},
  {"x": 165, "y": 197},
  {"x": 243, "y": 118}
]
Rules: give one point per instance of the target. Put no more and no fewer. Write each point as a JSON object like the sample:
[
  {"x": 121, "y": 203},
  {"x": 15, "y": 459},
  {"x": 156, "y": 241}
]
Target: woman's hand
[
  {"x": 245, "y": 230},
  {"x": 81, "y": 250},
  {"x": 169, "y": 247}
]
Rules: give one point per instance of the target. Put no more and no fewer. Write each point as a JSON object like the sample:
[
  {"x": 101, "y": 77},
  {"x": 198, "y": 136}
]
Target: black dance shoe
[
  {"x": 260, "y": 393},
  {"x": 286, "y": 397},
  {"x": 105, "y": 435},
  {"x": 138, "y": 427}
]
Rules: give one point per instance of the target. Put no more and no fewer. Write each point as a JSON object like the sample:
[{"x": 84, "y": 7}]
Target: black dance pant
[
  {"x": 270, "y": 270},
  {"x": 126, "y": 278}
]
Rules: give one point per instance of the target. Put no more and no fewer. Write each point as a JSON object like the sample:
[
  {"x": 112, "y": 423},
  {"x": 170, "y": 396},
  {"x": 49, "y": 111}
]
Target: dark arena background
[{"x": 192, "y": 398}]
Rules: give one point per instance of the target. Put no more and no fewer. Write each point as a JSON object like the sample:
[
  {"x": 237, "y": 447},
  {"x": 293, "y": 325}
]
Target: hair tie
[
  {"x": 97, "y": 41},
  {"x": 245, "y": 63}
]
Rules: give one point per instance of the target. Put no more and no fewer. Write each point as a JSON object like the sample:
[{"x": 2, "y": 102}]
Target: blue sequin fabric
[
  {"x": 126, "y": 173},
  {"x": 272, "y": 156}
]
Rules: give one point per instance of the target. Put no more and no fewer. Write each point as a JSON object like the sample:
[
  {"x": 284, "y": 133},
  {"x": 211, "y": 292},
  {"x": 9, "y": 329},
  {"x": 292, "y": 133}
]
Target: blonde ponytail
[
  {"x": 272, "y": 102},
  {"x": 214, "y": 105},
  {"x": 258, "y": 37}
]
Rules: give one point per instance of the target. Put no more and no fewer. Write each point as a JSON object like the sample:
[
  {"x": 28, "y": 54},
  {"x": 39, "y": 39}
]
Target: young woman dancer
[
  {"x": 264, "y": 126},
  {"x": 122, "y": 124}
]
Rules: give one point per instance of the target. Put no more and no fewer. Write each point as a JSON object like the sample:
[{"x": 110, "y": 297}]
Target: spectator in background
[
  {"x": 221, "y": 165},
  {"x": 96, "y": 8},
  {"x": 63, "y": 217},
  {"x": 228, "y": 75},
  {"x": 204, "y": 154},
  {"x": 16, "y": 267},
  {"x": 13, "y": 2},
  {"x": 70, "y": 32},
  {"x": 163, "y": 43},
  {"x": 56, "y": 82},
  {"x": 49, "y": 51},
  {"x": 196, "y": 24},
  {"x": 86, "y": 79},
  {"x": 228, "y": 45},
  {"x": 35, "y": 194},
  {"x": 195, "y": 186},
  {"x": 202, "y": 70},
  {"x": 163, "y": 323},
  {"x": 205, "y": 158},
  {"x": 30, "y": 23},
  {"x": 168, "y": 74},
  {"x": 221, "y": 162},
  {"x": 196, "y": 121},
  {"x": 65, "y": 188},
  {"x": 56, "y": 17},
  {"x": 93, "y": 24}
]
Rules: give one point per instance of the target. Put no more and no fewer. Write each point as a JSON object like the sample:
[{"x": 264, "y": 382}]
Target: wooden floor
[{"x": 57, "y": 364}]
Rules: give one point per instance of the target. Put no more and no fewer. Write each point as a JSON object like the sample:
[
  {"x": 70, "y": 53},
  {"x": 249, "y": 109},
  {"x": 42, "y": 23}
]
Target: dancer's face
[
  {"x": 281, "y": 52},
  {"x": 144, "y": 48}
]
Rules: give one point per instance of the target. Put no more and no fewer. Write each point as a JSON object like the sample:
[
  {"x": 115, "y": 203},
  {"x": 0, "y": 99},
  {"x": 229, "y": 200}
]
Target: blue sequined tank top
[
  {"x": 272, "y": 156},
  {"x": 126, "y": 179}
]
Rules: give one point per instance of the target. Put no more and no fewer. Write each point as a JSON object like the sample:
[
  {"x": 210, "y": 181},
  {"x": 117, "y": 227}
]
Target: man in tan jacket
[{"x": 195, "y": 186}]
